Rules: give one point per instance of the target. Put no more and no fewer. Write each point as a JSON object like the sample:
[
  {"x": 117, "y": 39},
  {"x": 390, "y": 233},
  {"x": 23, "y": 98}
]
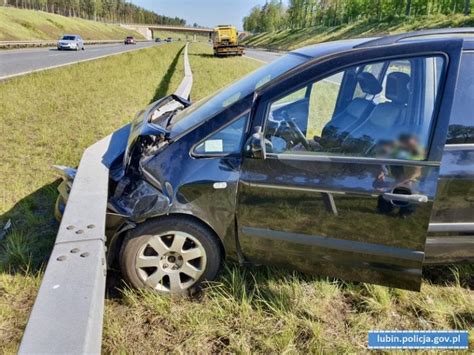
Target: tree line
[
  {"x": 277, "y": 15},
  {"x": 98, "y": 10}
]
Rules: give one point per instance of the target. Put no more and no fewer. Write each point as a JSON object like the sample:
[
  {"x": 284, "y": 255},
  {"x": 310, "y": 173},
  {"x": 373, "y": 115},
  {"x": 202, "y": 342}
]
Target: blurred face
[{"x": 410, "y": 144}]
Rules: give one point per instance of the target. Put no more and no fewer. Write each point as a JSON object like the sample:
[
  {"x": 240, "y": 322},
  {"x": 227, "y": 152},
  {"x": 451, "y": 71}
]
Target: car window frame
[
  {"x": 324, "y": 156},
  {"x": 192, "y": 151},
  {"x": 468, "y": 50}
]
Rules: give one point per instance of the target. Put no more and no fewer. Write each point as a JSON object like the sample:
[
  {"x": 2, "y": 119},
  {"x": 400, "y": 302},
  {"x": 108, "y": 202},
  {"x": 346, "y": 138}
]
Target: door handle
[{"x": 405, "y": 198}]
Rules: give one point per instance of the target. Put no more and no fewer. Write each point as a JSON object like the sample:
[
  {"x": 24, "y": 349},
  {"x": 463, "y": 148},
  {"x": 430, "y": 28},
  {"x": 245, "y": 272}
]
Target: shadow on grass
[
  {"x": 164, "y": 85},
  {"x": 28, "y": 244},
  {"x": 202, "y": 55},
  {"x": 445, "y": 275}
]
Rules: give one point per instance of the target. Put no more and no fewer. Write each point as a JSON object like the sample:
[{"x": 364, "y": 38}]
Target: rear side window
[{"x": 461, "y": 125}]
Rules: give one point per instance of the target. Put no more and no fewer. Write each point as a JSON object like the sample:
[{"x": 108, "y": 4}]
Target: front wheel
[{"x": 170, "y": 255}]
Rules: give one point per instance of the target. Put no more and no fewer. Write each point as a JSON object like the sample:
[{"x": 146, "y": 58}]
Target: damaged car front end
[
  {"x": 137, "y": 195},
  {"x": 153, "y": 174},
  {"x": 134, "y": 195}
]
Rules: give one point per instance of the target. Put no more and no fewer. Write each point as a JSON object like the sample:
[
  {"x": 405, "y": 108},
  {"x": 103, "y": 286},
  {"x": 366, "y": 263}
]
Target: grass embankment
[
  {"x": 247, "y": 310},
  {"x": 292, "y": 39},
  {"x": 22, "y": 25}
]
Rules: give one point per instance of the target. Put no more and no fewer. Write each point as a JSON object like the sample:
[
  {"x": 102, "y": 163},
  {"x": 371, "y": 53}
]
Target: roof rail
[{"x": 392, "y": 39}]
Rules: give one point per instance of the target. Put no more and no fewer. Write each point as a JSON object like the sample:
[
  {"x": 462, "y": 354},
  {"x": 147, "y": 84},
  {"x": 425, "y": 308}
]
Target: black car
[
  {"x": 352, "y": 159},
  {"x": 158, "y": 40},
  {"x": 129, "y": 40}
]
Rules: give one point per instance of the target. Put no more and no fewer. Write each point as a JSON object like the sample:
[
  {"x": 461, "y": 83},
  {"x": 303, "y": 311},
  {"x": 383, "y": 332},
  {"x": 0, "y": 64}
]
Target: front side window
[
  {"x": 383, "y": 109},
  {"x": 208, "y": 107},
  {"x": 461, "y": 124},
  {"x": 227, "y": 140}
]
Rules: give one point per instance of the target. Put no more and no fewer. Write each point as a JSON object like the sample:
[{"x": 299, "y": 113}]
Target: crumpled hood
[{"x": 150, "y": 122}]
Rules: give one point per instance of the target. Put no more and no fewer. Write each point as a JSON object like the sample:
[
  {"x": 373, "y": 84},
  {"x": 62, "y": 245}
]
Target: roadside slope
[
  {"x": 19, "y": 24},
  {"x": 295, "y": 38}
]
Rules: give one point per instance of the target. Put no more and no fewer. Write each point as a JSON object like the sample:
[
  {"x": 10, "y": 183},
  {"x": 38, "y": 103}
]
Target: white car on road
[{"x": 74, "y": 42}]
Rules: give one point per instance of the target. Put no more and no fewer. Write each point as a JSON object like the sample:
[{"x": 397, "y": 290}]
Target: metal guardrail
[
  {"x": 184, "y": 89},
  {"x": 53, "y": 43},
  {"x": 67, "y": 316}
]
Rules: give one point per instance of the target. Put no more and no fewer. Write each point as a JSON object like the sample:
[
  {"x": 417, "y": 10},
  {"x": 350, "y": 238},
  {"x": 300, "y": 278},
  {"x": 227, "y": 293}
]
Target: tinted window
[
  {"x": 210, "y": 106},
  {"x": 383, "y": 110},
  {"x": 69, "y": 38},
  {"x": 227, "y": 140},
  {"x": 461, "y": 127},
  {"x": 373, "y": 68}
]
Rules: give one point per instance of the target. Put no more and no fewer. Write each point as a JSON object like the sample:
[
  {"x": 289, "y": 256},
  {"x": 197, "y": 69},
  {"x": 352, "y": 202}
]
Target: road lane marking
[
  {"x": 11, "y": 76},
  {"x": 258, "y": 60}
]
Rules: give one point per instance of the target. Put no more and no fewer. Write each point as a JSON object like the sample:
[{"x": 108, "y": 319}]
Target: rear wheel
[{"x": 170, "y": 255}]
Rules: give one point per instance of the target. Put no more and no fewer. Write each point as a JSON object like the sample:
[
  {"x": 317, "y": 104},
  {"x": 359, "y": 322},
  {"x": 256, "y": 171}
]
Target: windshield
[
  {"x": 214, "y": 104},
  {"x": 69, "y": 38}
]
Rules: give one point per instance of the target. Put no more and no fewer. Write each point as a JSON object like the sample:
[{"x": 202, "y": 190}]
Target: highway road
[
  {"x": 22, "y": 61},
  {"x": 262, "y": 55}
]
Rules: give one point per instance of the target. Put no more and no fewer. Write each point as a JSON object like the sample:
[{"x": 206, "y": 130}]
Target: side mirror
[{"x": 254, "y": 147}]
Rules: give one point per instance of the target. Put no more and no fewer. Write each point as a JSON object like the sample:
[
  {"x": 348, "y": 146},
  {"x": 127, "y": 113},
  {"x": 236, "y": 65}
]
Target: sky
[{"x": 207, "y": 13}]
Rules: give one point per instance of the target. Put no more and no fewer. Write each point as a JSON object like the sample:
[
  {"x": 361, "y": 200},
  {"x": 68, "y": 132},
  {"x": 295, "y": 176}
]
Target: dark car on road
[
  {"x": 351, "y": 159},
  {"x": 129, "y": 40},
  {"x": 158, "y": 40}
]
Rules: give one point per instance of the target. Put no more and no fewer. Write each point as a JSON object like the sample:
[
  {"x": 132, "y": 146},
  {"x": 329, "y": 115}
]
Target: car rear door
[{"x": 358, "y": 208}]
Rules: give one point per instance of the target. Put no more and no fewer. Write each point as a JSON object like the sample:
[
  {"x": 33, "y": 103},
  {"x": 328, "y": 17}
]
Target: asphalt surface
[
  {"x": 262, "y": 55},
  {"x": 23, "y": 61}
]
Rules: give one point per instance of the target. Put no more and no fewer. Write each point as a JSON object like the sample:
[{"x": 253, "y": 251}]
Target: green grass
[
  {"x": 180, "y": 35},
  {"x": 266, "y": 310},
  {"x": 19, "y": 24},
  {"x": 292, "y": 39},
  {"x": 211, "y": 74}
]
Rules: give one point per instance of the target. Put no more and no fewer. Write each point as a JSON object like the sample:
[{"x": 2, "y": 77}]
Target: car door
[{"x": 349, "y": 193}]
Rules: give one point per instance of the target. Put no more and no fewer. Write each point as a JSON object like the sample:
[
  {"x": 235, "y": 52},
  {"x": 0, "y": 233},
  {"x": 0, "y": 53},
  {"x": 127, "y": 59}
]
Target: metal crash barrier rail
[{"x": 67, "y": 316}]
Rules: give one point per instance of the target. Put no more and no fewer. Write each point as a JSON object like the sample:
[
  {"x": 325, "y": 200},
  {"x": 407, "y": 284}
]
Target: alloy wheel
[{"x": 171, "y": 262}]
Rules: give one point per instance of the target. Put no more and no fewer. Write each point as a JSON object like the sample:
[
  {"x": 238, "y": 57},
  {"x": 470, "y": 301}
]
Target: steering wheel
[{"x": 300, "y": 137}]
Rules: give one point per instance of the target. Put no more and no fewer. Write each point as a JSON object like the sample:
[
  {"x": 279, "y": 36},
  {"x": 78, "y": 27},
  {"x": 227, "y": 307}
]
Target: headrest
[
  {"x": 397, "y": 87},
  {"x": 369, "y": 83}
]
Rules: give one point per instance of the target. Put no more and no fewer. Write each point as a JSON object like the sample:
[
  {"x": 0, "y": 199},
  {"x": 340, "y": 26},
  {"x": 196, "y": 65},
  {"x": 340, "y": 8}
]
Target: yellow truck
[{"x": 226, "y": 41}]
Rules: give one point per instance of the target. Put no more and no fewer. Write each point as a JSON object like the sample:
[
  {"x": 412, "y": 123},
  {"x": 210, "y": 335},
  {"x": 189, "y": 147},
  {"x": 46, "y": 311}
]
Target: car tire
[{"x": 171, "y": 254}]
